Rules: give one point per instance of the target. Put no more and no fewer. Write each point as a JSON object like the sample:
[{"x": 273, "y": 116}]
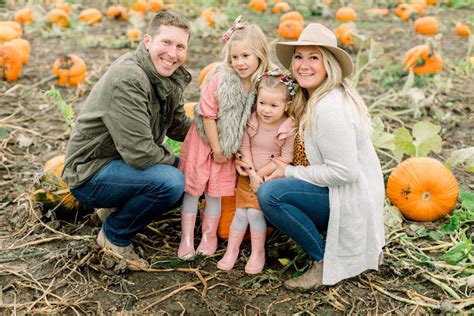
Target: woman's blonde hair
[
  {"x": 304, "y": 106},
  {"x": 257, "y": 43}
]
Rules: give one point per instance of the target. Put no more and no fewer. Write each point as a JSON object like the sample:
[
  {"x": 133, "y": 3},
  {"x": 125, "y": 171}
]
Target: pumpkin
[
  {"x": 258, "y": 5},
  {"x": 462, "y": 29},
  {"x": 346, "y": 14},
  {"x": 64, "y": 6},
  {"x": 189, "y": 109},
  {"x": 420, "y": 8},
  {"x": 227, "y": 215},
  {"x": 134, "y": 34},
  {"x": 290, "y": 29},
  {"x": 292, "y": 15},
  {"x": 13, "y": 25},
  {"x": 7, "y": 33},
  {"x": 431, "y": 2},
  {"x": 423, "y": 189},
  {"x": 205, "y": 71},
  {"x": 10, "y": 62},
  {"x": 405, "y": 11},
  {"x": 117, "y": 12},
  {"x": 156, "y": 5},
  {"x": 70, "y": 70},
  {"x": 344, "y": 34},
  {"x": 58, "y": 17},
  {"x": 281, "y": 7},
  {"x": 23, "y": 47},
  {"x": 422, "y": 60},
  {"x": 52, "y": 192},
  {"x": 208, "y": 16},
  {"x": 24, "y": 16},
  {"x": 426, "y": 25},
  {"x": 140, "y": 6},
  {"x": 90, "y": 16}
]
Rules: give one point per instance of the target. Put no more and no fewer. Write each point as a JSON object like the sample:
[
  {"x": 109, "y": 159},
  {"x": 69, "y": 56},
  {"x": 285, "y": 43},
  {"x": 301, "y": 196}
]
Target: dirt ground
[{"x": 54, "y": 266}]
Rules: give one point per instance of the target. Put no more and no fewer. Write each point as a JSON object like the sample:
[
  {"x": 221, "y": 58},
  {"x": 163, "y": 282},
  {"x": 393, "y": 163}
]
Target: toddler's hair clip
[
  {"x": 285, "y": 78},
  {"x": 235, "y": 26}
]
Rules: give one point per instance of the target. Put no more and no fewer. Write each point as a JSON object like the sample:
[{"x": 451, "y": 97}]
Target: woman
[{"x": 336, "y": 183}]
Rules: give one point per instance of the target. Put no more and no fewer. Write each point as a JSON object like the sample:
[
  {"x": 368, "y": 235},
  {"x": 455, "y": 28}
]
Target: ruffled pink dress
[{"x": 201, "y": 173}]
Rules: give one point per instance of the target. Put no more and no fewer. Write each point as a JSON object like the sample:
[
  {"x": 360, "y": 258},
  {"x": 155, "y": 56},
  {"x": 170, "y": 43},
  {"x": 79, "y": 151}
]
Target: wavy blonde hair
[{"x": 304, "y": 106}]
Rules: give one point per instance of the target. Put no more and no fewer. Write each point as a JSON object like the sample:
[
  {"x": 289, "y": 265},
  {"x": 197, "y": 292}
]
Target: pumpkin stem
[{"x": 426, "y": 196}]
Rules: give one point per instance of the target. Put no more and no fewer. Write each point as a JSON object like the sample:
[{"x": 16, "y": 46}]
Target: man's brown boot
[{"x": 311, "y": 279}]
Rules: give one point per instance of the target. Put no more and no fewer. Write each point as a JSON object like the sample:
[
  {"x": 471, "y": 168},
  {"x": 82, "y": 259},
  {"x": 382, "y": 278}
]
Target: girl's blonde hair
[
  {"x": 275, "y": 84},
  {"x": 256, "y": 42},
  {"x": 303, "y": 102}
]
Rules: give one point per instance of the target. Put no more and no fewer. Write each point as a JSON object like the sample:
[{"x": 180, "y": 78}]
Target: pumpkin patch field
[{"x": 414, "y": 67}]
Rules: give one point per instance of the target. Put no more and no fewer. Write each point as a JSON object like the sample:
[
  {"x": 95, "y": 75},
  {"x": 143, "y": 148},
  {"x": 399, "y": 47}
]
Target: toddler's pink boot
[
  {"x": 186, "y": 245},
  {"x": 232, "y": 252},
  {"x": 257, "y": 256},
  {"x": 208, "y": 244}
]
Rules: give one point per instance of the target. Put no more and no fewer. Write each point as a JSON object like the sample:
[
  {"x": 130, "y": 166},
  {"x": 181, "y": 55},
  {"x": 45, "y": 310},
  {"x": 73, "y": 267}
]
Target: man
[{"x": 115, "y": 157}]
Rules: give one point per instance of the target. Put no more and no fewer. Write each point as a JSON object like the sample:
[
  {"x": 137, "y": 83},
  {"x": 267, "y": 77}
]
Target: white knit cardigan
[{"x": 343, "y": 159}]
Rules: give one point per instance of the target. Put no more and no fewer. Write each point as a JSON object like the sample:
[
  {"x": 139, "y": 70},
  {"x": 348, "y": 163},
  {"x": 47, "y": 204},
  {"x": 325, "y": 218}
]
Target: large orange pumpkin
[
  {"x": 90, "y": 16},
  {"x": 344, "y": 34},
  {"x": 346, "y": 14},
  {"x": 7, "y": 33},
  {"x": 258, "y": 5},
  {"x": 66, "y": 7},
  {"x": 205, "y": 71},
  {"x": 426, "y": 25},
  {"x": 423, "y": 189},
  {"x": 14, "y": 26},
  {"x": 58, "y": 17},
  {"x": 290, "y": 29},
  {"x": 117, "y": 12},
  {"x": 422, "y": 60},
  {"x": 24, "y": 16},
  {"x": 24, "y": 49},
  {"x": 292, "y": 15},
  {"x": 70, "y": 70},
  {"x": 10, "y": 62}
]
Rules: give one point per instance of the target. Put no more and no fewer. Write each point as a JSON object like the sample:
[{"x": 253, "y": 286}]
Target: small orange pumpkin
[
  {"x": 431, "y": 2},
  {"x": 189, "y": 109},
  {"x": 66, "y": 7},
  {"x": 208, "y": 15},
  {"x": 117, "y": 12},
  {"x": 140, "y": 6},
  {"x": 13, "y": 25},
  {"x": 292, "y": 15},
  {"x": 24, "y": 16},
  {"x": 24, "y": 49},
  {"x": 281, "y": 7},
  {"x": 346, "y": 14},
  {"x": 205, "y": 71},
  {"x": 462, "y": 29},
  {"x": 423, "y": 189},
  {"x": 7, "y": 33},
  {"x": 405, "y": 11},
  {"x": 422, "y": 60},
  {"x": 156, "y": 5},
  {"x": 90, "y": 16},
  {"x": 290, "y": 29},
  {"x": 58, "y": 17},
  {"x": 10, "y": 62},
  {"x": 426, "y": 25},
  {"x": 134, "y": 34},
  {"x": 344, "y": 34},
  {"x": 258, "y": 5},
  {"x": 70, "y": 70}
]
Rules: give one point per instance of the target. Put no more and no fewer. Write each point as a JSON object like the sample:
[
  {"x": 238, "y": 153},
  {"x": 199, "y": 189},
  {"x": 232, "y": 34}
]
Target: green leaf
[
  {"x": 426, "y": 138},
  {"x": 467, "y": 201},
  {"x": 4, "y": 133},
  {"x": 457, "y": 253},
  {"x": 403, "y": 143},
  {"x": 452, "y": 226},
  {"x": 462, "y": 157},
  {"x": 381, "y": 139},
  {"x": 284, "y": 261},
  {"x": 434, "y": 235}
]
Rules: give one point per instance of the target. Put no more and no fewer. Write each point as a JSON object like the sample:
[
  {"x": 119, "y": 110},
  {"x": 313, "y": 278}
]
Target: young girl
[
  {"x": 216, "y": 134},
  {"x": 268, "y": 135}
]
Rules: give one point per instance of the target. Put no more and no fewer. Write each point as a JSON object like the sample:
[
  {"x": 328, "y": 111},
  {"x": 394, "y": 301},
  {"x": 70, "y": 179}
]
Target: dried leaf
[{"x": 24, "y": 141}]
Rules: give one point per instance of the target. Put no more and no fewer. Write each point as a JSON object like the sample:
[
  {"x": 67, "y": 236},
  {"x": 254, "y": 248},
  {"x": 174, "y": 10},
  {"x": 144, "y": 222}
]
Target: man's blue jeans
[
  {"x": 299, "y": 209},
  {"x": 140, "y": 196}
]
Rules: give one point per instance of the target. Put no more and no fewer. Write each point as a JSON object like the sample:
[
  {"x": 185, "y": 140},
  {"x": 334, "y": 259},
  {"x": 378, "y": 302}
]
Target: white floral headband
[
  {"x": 285, "y": 78},
  {"x": 235, "y": 26}
]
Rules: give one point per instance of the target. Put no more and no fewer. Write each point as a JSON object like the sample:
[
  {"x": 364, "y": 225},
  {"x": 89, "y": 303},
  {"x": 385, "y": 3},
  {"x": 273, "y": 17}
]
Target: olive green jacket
[{"x": 126, "y": 116}]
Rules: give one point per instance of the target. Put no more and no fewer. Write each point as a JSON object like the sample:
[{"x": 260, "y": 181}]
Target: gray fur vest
[{"x": 234, "y": 109}]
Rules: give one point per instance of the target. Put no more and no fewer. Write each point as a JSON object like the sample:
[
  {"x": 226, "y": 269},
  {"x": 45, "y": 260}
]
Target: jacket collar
[{"x": 164, "y": 85}]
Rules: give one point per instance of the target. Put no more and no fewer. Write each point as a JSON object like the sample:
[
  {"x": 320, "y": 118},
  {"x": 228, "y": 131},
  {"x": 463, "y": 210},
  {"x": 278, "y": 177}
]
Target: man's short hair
[{"x": 168, "y": 18}]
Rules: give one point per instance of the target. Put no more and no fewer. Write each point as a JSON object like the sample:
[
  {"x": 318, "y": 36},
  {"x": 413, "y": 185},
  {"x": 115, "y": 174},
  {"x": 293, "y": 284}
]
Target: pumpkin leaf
[
  {"x": 381, "y": 139},
  {"x": 459, "y": 252},
  {"x": 467, "y": 201},
  {"x": 4, "y": 133},
  {"x": 434, "y": 235},
  {"x": 426, "y": 138},
  {"x": 403, "y": 144},
  {"x": 284, "y": 261},
  {"x": 462, "y": 157}
]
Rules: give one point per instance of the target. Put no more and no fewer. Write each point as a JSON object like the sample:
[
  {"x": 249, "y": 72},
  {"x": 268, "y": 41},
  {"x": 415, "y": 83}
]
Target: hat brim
[{"x": 285, "y": 50}]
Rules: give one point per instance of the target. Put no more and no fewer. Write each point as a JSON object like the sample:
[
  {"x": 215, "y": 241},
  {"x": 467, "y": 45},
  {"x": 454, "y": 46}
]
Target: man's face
[{"x": 167, "y": 48}]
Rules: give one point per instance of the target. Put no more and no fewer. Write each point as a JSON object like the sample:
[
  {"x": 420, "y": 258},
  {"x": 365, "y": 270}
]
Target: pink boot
[
  {"x": 257, "y": 256},
  {"x": 186, "y": 245},
  {"x": 208, "y": 244},
  {"x": 232, "y": 252}
]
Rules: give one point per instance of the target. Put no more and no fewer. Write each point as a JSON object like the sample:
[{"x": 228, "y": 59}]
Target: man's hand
[{"x": 279, "y": 171}]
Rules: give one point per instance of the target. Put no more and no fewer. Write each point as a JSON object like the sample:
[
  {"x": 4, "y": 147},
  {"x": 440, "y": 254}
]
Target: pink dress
[{"x": 201, "y": 173}]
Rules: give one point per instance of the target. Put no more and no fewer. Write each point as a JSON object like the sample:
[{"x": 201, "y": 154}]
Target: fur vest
[{"x": 234, "y": 109}]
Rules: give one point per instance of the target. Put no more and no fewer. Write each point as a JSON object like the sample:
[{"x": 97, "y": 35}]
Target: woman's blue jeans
[
  {"x": 299, "y": 209},
  {"x": 140, "y": 196}
]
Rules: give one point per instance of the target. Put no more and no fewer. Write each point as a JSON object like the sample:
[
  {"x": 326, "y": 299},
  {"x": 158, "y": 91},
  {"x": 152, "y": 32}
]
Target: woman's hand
[{"x": 279, "y": 171}]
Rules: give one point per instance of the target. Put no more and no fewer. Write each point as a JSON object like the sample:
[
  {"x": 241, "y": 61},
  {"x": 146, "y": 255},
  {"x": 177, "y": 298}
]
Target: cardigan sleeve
[{"x": 334, "y": 136}]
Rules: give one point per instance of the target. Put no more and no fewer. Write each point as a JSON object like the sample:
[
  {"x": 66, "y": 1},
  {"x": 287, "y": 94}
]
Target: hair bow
[
  {"x": 285, "y": 78},
  {"x": 235, "y": 26}
]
